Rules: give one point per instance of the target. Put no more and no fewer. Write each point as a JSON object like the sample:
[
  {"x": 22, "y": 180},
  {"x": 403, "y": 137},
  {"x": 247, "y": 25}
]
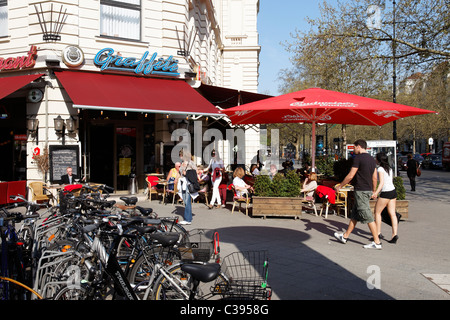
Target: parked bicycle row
[{"x": 88, "y": 247}]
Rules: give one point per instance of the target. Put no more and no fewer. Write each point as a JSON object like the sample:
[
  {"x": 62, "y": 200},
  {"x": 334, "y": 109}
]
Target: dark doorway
[
  {"x": 101, "y": 151},
  {"x": 13, "y": 160}
]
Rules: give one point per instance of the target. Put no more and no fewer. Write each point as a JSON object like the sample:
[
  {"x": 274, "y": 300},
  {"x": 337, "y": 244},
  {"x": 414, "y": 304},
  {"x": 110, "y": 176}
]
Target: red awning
[
  {"x": 100, "y": 91},
  {"x": 10, "y": 84}
]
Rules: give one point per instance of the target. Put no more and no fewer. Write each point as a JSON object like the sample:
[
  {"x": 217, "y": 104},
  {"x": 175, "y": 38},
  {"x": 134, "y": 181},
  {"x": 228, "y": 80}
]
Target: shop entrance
[
  {"x": 13, "y": 139},
  {"x": 101, "y": 154},
  {"x": 119, "y": 147}
]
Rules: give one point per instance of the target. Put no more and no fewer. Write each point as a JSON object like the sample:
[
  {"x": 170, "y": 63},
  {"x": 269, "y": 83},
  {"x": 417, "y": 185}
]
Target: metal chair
[{"x": 239, "y": 199}]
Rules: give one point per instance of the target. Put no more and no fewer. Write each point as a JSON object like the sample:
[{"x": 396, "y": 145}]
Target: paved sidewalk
[{"x": 306, "y": 262}]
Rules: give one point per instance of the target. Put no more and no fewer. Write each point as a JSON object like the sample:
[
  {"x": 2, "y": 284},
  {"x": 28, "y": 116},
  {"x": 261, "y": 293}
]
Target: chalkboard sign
[{"x": 62, "y": 157}]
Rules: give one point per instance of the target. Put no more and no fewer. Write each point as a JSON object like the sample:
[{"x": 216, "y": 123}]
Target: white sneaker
[
  {"x": 185, "y": 222},
  {"x": 373, "y": 245},
  {"x": 340, "y": 237}
]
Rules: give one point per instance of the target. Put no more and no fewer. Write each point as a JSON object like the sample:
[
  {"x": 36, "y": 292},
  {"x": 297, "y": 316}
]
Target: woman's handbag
[{"x": 419, "y": 172}]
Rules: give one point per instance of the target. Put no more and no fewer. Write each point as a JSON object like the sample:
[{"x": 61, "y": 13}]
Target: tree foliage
[{"x": 351, "y": 48}]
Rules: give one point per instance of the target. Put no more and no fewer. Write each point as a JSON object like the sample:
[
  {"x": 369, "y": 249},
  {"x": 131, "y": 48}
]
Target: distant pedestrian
[
  {"x": 411, "y": 170},
  {"x": 364, "y": 175},
  {"x": 387, "y": 195}
]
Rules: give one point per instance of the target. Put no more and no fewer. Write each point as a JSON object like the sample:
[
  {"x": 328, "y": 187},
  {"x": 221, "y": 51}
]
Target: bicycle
[{"x": 15, "y": 252}]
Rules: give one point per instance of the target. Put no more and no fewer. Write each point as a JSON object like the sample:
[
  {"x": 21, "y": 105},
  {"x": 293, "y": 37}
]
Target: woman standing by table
[
  {"x": 387, "y": 195},
  {"x": 217, "y": 167}
]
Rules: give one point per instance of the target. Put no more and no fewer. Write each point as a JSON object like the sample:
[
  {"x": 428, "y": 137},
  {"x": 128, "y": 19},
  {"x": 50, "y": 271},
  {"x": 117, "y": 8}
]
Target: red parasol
[{"x": 317, "y": 105}]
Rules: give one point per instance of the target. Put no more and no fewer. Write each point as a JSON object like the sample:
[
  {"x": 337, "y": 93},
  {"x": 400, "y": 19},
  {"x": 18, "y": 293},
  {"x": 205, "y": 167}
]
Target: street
[{"x": 432, "y": 185}]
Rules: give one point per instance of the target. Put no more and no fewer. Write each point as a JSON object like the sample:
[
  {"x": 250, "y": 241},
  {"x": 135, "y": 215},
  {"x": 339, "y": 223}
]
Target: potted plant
[{"x": 277, "y": 197}]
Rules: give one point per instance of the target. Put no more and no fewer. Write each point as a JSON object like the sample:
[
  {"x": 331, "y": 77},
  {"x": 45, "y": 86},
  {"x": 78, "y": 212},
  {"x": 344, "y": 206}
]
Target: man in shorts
[{"x": 364, "y": 176}]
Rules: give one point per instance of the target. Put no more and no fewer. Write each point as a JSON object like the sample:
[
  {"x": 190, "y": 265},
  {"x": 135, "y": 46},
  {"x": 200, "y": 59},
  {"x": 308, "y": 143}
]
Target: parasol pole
[{"x": 313, "y": 147}]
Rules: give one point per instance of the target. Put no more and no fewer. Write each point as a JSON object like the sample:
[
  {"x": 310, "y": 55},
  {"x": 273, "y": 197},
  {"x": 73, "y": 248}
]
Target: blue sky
[{"x": 276, "y": 21}]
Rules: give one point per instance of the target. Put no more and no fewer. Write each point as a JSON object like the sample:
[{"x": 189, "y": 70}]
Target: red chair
[
  {"x": 329, "y": 197},
  {"x": 15, "y": 188},
  {"x": 152, "y": 182}
]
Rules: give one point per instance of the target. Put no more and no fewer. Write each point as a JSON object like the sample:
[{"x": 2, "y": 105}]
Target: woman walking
[
  {"x": 387, "y": 195},
  {"x": 217, "y": 168}
]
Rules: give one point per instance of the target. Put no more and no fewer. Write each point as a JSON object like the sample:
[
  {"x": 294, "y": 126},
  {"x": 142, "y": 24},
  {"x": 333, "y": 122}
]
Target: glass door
[{"x": 126, "y": 156}]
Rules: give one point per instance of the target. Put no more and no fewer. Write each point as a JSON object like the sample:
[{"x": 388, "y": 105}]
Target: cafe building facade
[{"x": 101, "y": 85}]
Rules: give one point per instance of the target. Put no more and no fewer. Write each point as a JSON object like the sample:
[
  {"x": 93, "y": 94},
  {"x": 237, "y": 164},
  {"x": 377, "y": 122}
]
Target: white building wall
[{"x": 225, "y": 48}]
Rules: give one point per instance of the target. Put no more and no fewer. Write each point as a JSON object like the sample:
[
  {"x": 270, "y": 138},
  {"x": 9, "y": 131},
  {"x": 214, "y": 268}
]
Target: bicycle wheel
[
  {"x": 143, "y": 268},
  {"x": 180, "y": 289},
  {"x": 67, "y": 293}
]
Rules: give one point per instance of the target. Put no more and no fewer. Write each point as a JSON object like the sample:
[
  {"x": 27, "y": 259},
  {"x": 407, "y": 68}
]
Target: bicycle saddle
[
  {"x": 129, "y": 201},
  {"x": 203, "y": 272},
  {"x": 166, "y": 239},
  {"x": 144, "y": 211}
]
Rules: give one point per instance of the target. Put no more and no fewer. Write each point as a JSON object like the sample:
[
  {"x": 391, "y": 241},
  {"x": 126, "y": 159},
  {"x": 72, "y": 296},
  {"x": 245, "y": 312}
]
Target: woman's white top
[
  {"x": 388, "y": 184},
  {"x": 238, "y": 182},
  {"x": 214, "y": 163}
]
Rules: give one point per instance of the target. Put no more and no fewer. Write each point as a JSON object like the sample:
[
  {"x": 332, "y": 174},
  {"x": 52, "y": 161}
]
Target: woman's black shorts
[{"x": 389, "y": 194}]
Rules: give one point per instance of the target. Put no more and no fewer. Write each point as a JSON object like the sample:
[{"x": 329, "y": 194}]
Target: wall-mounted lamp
[
  {"x": 61, "y": 125},
  {"x": 32, "y": 126},
  {"x": 71, "y": 125}
]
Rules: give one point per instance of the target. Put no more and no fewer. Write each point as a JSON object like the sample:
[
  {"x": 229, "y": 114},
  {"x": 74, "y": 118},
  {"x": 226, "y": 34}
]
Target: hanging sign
[
  {"x": 13, "y": 63},
  {"x": 107, "y": 60}
]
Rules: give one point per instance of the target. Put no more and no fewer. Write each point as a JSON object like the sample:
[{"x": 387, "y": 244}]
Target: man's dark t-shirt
[{"x": 366, "y": 165}]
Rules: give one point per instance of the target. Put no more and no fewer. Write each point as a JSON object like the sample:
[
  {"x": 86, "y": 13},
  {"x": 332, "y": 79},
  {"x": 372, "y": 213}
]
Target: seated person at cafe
[
  {"x": 239, "y": 184},
  {"x": 173, "y": 175},
  {"x": 310, "y": 185},
  {"x": 273, "y": 171},
  {"x": 69, "y": 177},
  {"x": 203, "y": 179}
]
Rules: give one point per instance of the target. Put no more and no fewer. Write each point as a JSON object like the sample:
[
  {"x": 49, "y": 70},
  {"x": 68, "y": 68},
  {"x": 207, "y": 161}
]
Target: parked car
[
  {"x": 418, "y": 158},
  {"x": 433, "y": 161},
  {"x": 426, "y": 154},
  {"x": 401, "y": 162}
]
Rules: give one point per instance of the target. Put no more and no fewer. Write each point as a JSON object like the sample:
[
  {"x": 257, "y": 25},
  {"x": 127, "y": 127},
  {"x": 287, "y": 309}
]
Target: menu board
[{"x": 62, "y": 157}]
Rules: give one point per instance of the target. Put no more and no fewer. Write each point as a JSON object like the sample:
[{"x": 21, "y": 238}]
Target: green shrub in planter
[
  {"x": 291, "y": 185},
  {"x": 263, "y": 186},
  {"x": 400, "y": 188},
  {"x": 276, "y": 185},
  {"x": 280, "y": 186}
]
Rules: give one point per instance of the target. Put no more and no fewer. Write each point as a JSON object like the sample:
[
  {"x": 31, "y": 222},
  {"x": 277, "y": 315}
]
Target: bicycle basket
[
  {"x": 200, "y": 245},
  {"x": 246, "y": 276}
]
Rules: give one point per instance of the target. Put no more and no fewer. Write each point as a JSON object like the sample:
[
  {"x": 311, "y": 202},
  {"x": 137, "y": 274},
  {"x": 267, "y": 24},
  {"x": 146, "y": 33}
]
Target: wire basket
[
  {"x": 246, "y": 276},
  {"x": 200, "y": 245}
]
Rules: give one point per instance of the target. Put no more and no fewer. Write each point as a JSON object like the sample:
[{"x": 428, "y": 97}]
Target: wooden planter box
[
  {"x": 401, "y": 207},
  {"x": 277, "y": 207}
]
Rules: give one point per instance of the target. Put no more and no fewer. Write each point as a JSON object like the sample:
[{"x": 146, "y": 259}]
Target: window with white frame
[
  {"x": 120, "y": 19},
  {"x": 3, "y": 18}
]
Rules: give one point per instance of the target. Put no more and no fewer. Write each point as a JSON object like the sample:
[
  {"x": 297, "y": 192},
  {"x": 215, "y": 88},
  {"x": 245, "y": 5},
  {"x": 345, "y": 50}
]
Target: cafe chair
[
  {"x": 40, "y": 193},
  {"x": 310, "y": 201},
  {"x": 174, "y": 192},
  {"x": 341, "y": 202},
  {"x": 328, "y": 196},
  {"x": 152, "y": 182},
  {"x": 239, "y": 199}
]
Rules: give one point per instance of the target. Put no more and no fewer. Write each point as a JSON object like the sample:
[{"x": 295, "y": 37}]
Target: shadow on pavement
[{"x": 296, "y": 271}]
